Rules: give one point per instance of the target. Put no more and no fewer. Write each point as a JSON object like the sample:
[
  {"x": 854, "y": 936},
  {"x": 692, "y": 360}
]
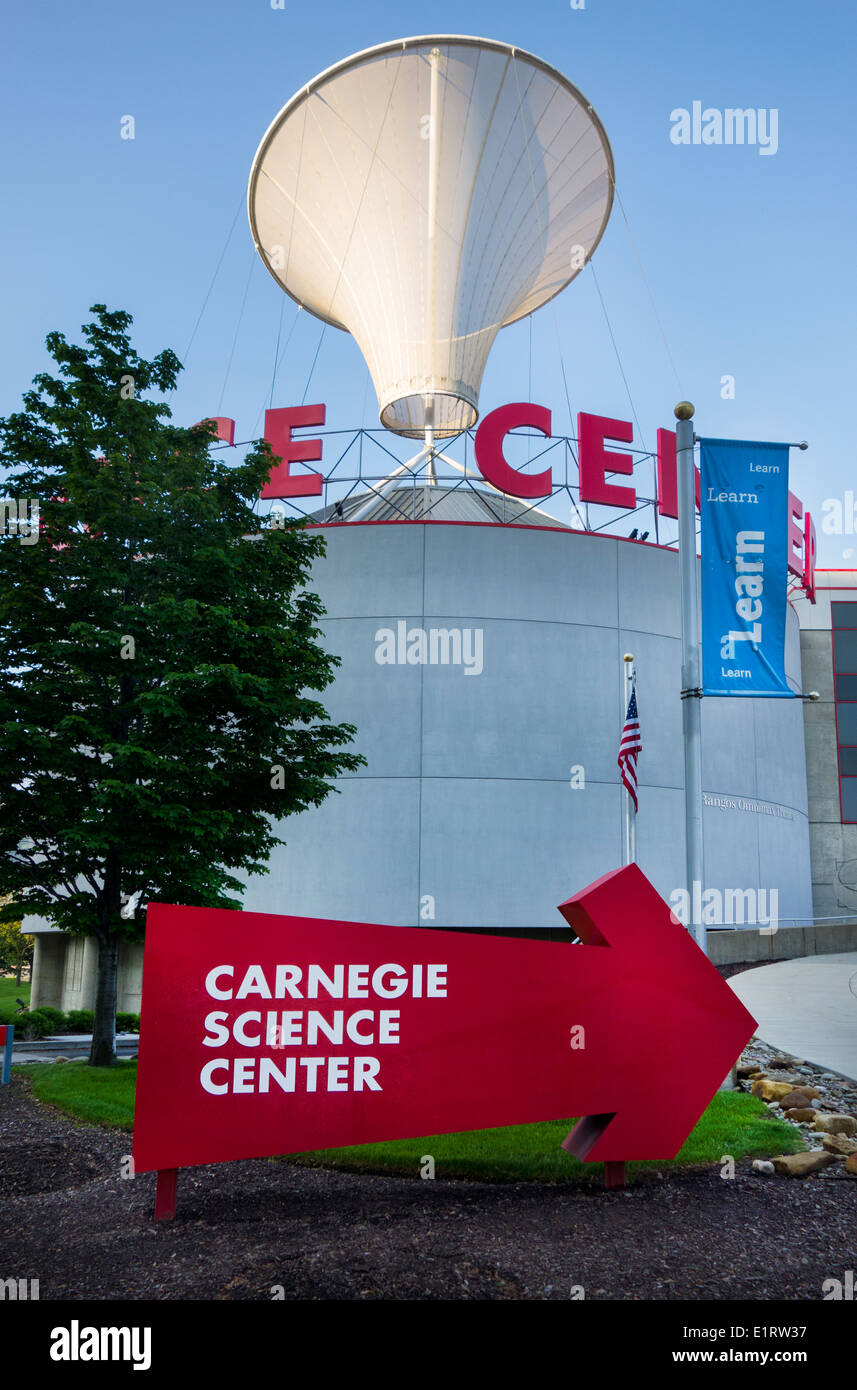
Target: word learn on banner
[{"x": 744, "y": 514}]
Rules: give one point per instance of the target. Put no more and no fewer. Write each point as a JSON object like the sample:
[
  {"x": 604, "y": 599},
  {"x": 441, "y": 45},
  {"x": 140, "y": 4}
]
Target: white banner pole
[{"x": 691, "y": 677}]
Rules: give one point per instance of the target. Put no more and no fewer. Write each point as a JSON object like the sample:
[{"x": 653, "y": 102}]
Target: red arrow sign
[{"x": 265, "y": 1035}]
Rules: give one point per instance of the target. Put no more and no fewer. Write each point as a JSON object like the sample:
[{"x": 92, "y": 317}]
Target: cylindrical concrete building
[{"x": 482, "y": 666}]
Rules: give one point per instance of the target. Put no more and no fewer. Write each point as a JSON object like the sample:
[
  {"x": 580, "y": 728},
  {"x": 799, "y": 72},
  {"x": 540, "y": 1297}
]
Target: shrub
[
  {"x": 80, "y": 1020},
  {"x": 32, "y": 1025},
  {"x": 56, "y": 1016},
  {"x": 39, "y": 1023}
]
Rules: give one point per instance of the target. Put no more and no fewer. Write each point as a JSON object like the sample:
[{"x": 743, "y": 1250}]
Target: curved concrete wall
[{"x": 466, "y": 808}]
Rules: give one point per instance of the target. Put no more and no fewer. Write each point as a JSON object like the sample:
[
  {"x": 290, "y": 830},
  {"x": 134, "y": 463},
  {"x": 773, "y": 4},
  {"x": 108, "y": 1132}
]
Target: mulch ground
[{"x": 70, "y": 1220}]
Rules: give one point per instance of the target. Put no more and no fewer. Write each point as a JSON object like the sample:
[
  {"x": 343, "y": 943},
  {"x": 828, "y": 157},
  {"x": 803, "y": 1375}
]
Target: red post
[
  {"x": 614, "y": 1174},
  {"x": 165, "y": 1194}
]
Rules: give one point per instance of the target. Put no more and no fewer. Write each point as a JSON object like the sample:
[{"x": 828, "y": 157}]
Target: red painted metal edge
[{"x": 165, "y": 1194}]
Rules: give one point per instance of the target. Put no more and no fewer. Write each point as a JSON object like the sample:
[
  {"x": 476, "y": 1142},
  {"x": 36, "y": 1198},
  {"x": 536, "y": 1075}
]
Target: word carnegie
[
  {"x": 346, "y": 982},
  {"x": 282, "y": 1029}
]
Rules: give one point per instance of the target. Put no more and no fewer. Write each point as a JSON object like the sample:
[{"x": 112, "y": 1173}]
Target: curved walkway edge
[{"x": 806, "y": 1007}]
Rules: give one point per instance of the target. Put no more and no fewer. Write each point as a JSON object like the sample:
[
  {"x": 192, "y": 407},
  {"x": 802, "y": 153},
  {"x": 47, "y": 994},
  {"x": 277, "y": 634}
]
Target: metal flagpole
[
  {"x": 691, "y": 691},
  {"x": 614, "y": 1172},
  {"x": 629, "y": 674}
]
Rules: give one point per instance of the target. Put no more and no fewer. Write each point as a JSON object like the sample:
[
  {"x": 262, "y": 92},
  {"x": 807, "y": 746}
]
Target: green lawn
[
  {"x": 98, "y": 1095},
  {"x": 9, "y": 991},
  {"x": 734, "y": 1123}
]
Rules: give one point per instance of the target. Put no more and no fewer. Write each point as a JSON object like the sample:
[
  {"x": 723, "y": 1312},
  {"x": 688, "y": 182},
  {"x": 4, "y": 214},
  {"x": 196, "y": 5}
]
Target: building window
[
  {"x": 844, "y": 622},
  {"x": 843, "y": 614},
  {"x": 849, "y": 798}
]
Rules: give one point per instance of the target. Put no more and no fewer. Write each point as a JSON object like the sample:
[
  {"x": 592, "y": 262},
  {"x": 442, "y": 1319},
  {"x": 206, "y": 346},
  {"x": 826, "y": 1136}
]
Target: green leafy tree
[
  {"x": 160, "y": 649},
  {"x": 16, "y": 950}
]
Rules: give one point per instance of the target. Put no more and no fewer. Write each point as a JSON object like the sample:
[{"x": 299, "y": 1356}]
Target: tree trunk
[
  {"x": 19, "y": 971},
  {"x": 103, "y": 1051}
]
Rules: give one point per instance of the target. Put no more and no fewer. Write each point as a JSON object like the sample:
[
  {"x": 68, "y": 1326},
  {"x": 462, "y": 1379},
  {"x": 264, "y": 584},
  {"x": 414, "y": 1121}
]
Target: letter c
[
  {"x": 351, "y": 1026},
  {"x": 205, "y": 1077},
  {"x": 489, "y": 449},
  {"x": 211, "y": 981},
  {"x": 238, "y": 1028}
]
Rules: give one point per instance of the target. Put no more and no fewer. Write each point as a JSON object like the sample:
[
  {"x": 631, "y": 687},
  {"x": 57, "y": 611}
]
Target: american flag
[{"x": 630, "y": 747}]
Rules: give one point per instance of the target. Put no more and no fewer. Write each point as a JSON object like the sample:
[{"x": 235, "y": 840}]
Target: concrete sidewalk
[
  {"x": 807, "y": 1007},
  {"x": 71, "y": 1045}
]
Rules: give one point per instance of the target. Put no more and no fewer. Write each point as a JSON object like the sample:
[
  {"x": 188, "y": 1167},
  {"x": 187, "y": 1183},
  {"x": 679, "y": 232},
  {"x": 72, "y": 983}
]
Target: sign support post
[
  {"x": 691, "y": 680},
  {"x": 614, "y": 1174},
  {"x": 165, "y": 1194}
]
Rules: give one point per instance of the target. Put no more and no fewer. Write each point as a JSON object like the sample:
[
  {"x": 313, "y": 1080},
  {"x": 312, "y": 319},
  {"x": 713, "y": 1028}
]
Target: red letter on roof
[
  {"x": 668, "y": 475},
  {"x": 489, "y": 449},
  {"x": 224, "y": 427},
  {"x": 795, "y": 543},
  {"x": 594, "y": 461},
  {"x": 278, "y": 432},
  {"x": 809, "y": 554}
]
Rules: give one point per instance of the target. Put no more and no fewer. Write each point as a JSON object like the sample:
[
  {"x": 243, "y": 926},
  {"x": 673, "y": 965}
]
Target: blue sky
[{"x": 750, "y": 259}]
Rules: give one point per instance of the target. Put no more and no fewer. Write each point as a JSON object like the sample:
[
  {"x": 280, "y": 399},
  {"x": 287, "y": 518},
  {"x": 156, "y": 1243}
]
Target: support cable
[
  {"x": 648, "y": 288},
  {"x": 279, "y": 358},
  {"x": 237, "y": 331},
  {"x": 625, "y": 380},
  {"x": 211, "y": 284},
  {"x": 314, "y": 360}
]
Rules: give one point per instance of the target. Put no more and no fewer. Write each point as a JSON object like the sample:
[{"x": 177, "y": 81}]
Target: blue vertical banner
[{"x": 744, "y": 490}]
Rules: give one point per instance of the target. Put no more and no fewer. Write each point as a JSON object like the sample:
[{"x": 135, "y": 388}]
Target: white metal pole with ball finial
[{"x": 691, "y": 679}]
